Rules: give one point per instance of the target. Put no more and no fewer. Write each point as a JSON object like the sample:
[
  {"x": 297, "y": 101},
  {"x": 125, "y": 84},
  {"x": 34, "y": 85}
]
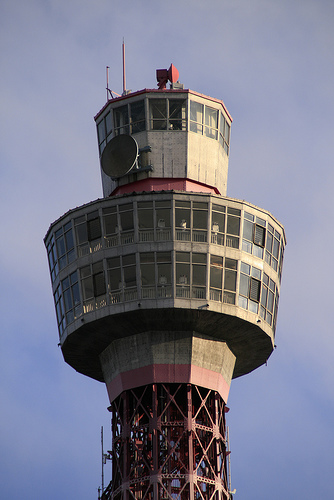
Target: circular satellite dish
[{"x": 119, "y": 156}]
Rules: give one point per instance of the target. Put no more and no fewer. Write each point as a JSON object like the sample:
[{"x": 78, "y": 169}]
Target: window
[
  {"x": 60, "y": 313},
  {"x": 71, "y": 295},
  {"x": 249, "y": 287},
  {"x": 121, "y": 120},
  {"x": 218, "y": 224},
  {"x": 196, "y": 117},
  {"x": 93, "y": 286},
  {"x": 211, "y": 122},
  {"x": 191, "y": 270},
  {"x": 168, "y": 114},
  {"x": 145, "y": 220},
  {"x": 191, "y": 220},
  {"x": 88, "y": 233},
  {"x": 104, "y": 129},
  {"x": 52, "y": 257},
  {"x": 224, "y": 133},
  {"x": 65, "y": 245},
  {"x": 233, "y": 227},
  {"x": 137, "y": 117}
]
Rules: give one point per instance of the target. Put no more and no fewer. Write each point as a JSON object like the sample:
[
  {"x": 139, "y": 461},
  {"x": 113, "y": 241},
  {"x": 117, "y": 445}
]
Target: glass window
[
  {"x": 147, "y": 269},
  {"x": 177, "y": 114},
  {"x": 211, "y": 122},
  {"x": 137, "y": 112},
  {"x": 216, "y": 271},
  {"x": 145, "y": 215},
  {"x": 121, "y": 119},
  {"x": 126, "y": 217},
  {"x": 129, "y": 270},
  {"x": 110, "y": 221},
  {"x": 64, "y": 246},
  {"x": 196, "y": 117},
  {"x": 158, "y": 108},
  {"x": 164, "y": 268},
  {"x": 114, "y": 274}
]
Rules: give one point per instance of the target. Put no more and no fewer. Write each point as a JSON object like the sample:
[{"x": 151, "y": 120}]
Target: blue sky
[{"x": 272, "y": 64}]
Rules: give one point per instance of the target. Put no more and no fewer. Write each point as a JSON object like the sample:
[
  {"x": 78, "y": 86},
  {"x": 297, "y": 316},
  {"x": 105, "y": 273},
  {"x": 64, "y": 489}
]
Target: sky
[{"x": 272, "y": 64}]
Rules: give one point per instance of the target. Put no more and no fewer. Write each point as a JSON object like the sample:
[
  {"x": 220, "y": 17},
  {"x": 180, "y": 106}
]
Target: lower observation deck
[{"x": 166, "y": 261}]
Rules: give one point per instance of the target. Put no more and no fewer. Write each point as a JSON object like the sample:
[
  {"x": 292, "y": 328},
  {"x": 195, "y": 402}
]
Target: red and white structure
[{"x": 166, "y": 289}]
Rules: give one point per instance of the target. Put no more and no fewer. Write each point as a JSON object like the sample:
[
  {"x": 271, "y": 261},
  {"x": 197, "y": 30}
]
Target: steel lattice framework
[{"x": 169, "y": 442}]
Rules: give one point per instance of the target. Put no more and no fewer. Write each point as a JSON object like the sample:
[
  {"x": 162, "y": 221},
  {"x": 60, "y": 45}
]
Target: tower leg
[{"x": 169, "y": 442}]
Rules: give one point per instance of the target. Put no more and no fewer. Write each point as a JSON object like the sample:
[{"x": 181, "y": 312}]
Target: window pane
[
  {"x": 121, "y": 119},
  {"x": 110, "y": 224},
  {"x": 177, "y": 114},
  {"x": 216, "y": 272},
  {"x": 130, "y": 276},
  {"x": 126, "y": 221},
  {"x": 100, "y": 131},
  {"x": 182, "y": 218},
  {"x": 69, "y": 240},
  {"x": 108, "y": 123},
  {"x": 230, "y": 280},
  {"x": 159, "y": 114},
  {"x": 115, "y": 279},
  {"x": 87, "y": 288},
  {"x": 163, "y": 218},
  {"x": 233, "y": 225},
  {"x": 81, "y": 233},
  {"x": 199, "y": 275},
  {"x": 196, "y": 112},
  {"x": 145, "y": 218},
  {"x": 218, "y": 222},
  {"x": 60, "y": 246},
  {"x": 244, "y": 285},
  {"x": 200, "y": 219},
  {"x": 164, "y": 274},
  {"x": 182, "y": 274},
  {"x": 137, "y": 110},
  {"x": 99, "y": 284},
  {"x": 147, "y": 274}
]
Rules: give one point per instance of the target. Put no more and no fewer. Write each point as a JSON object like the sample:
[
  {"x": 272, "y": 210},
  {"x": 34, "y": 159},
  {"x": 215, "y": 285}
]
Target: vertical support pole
[
  {"x": 123, "y": 54},
  {"x": 190, "y": 442},
  {"x": 102, "y": 459}
]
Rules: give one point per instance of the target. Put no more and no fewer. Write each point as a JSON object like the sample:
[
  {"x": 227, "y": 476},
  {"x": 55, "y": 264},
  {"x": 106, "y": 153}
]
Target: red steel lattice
[{"x": 169, "y": 443}]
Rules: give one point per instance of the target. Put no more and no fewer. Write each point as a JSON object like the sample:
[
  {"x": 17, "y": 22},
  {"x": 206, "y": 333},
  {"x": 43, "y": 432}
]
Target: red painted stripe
[
  {"x": 165, "y": 184},
  {"x": 168, "y": 373}
]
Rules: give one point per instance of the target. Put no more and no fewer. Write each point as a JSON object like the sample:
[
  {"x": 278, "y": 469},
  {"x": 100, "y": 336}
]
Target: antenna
[
  {"x": 102, "y": 461},
  {"x": 124, "y": 80},
  {"x": 107, "y": 75},
  {"x": 119, "y": 156}
]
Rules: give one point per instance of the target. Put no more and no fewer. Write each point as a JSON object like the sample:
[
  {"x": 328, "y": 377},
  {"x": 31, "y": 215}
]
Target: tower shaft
[{"x": 169, "y": 441}]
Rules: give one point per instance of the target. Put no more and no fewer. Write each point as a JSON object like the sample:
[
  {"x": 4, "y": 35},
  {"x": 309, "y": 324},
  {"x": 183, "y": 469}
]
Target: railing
[
  {"x": 95, "y": 303},
  {"x": 146, "y": 235},
  {"x": 217, "y": 238},
  {"x": 111, "y": 241},
  {"x": 232, "y": 242},
  {"x": 198, "y": 292},
  {"x": 130, "y": 294},
  {"x": 127, "y": 238},
  {"x": 215, "y": 295},
  {"x": 163, "y": 234},
  {"x": 229, "y": 298},
  {"x": 183, "y": 234},
  {"x": 183, "y": 291},
  {"x": 200, "y": 236}
]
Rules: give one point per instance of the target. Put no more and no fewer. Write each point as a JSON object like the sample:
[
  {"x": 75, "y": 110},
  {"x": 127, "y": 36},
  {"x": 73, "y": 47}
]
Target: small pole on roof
[
  {"x": 123, "y": 53},
  {"x": 107, "y": 71}
]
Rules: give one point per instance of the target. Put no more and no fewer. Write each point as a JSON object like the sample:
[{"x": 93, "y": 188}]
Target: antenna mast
[{"x": 124, "y": 80}]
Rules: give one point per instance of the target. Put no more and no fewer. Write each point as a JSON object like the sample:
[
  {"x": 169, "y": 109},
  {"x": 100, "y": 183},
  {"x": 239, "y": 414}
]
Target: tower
[{"x": 166, "y": 289}]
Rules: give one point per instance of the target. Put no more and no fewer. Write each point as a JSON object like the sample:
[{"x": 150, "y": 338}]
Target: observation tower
[{"x": 166, "y": 289}]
